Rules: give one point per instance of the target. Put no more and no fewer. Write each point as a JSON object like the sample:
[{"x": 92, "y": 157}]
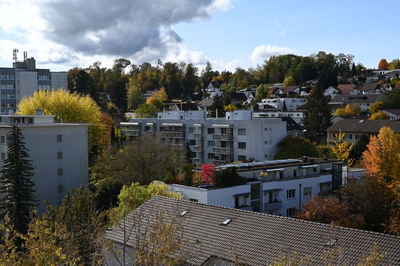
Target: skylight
[
  {"x": 227, "y": 221},
  {"x": 183, "y": 213}
]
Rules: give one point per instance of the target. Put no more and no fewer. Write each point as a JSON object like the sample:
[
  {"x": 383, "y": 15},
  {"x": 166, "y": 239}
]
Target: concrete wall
[
  {"x": 26, "y": 84},
  {"x": 59, "y": 80}
]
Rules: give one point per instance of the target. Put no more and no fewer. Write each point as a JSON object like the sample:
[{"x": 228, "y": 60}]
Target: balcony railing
[
  {"x": 222, "y": 150},
  {"x": 198, "y": 148},
  {"x": 198, "y": 136},
  {"x": 130, "y": 132},
  {"x": 220, "y": 162},
  {"x": 272, "y": 206},
  {"x": 171, "y": 134},
  {"x": 222, "y": 136}
]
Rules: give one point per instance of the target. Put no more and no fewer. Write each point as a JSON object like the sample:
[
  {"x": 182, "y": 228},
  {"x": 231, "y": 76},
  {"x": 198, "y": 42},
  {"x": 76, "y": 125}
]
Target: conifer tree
[
  {"x": 317, "y": 116},
  {"x": 16, "y": 186}
]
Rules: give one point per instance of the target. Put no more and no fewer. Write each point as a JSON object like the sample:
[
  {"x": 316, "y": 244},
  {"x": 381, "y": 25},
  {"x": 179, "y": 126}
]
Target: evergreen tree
[
  {"x": 317, "y": 116},
  {"x": 16, "y": 185}
]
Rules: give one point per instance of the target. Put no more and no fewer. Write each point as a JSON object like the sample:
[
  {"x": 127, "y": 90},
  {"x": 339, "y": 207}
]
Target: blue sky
[{"x": 229, "y": 33}]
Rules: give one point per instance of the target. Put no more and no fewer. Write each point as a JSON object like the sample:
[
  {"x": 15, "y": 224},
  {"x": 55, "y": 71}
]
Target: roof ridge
[{"x": 276, "y": 216}]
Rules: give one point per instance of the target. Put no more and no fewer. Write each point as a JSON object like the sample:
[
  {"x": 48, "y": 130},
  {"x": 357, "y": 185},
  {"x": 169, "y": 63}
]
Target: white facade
[
  {"x": 291, "y": 104},
  {"x": 282, "y": 188},
  {"x": 295, "y": 115},
  {"x": 237, "y": 137},
  {"x": 59, "y": 154}
]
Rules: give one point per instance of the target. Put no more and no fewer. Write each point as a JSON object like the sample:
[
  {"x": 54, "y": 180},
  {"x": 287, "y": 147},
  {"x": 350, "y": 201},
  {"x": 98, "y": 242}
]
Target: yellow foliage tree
[
  {"x": 382, "y": 158},
  {"x": 348, "y": 110},
  {"x": 376, "y": 107},
  {"x": 342, "y": 149},
  {"x": 379, "y": 116},
  {"x": 67, "y": 107},
  {"x": 230, "y": 107},
  {"x": 158, "y": 96},
  {"x": 289, "y": 81}
]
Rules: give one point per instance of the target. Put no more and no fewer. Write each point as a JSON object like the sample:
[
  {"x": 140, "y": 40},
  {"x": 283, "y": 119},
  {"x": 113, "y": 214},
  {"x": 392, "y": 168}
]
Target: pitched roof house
[{"x": 215, "y": 235}]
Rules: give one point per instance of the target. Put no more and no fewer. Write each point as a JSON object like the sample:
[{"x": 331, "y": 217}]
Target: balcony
[
  {"x": 198, "y": 148},
  {"x": 222, "y": 150},
  {"x": 131, "y": 132},
  {"x": 272, "y": 206},
  {"x": 172, "y": 134},
  {"x": 220, "y": 162},
  {"x": 222, "y": 136},
  {"x": 198, "y": 136}
]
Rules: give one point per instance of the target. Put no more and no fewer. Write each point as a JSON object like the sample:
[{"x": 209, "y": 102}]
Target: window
[
  {"x": 241, "y": 157},
  {"x": 290, "y": 212},
  {"x": 60, "y": 188},
  {"x": 307, "y": 191},
  {"x": 59, "y": 155},
  {"x": 242, "y": 145},
  {"x": 294, "y": 173},
  {"x": 3, "y": 156},
  {"x": 241, "y": 131},
  {"x": 59, "y": 138},
  {"x": 3, "y": 139},
  {"x": 290, "y": 193},
  {"x": 190, "y": 130},
  {"x": 210, "y": 130},
  {"x": 280, "y": 174},
  {"x": 211, "y": 156},
  {"x": 210, "y": 143},
  {"x": 266, "y": 156},
  {"x": 314, "y": 169},
  {"x": 59, "y": 171},
  {"x": 30, "y": 120},
  {"x": 272, "y": 197},
  {"x": 192, "y": 142},
  {"x": 193, "y": 200}
]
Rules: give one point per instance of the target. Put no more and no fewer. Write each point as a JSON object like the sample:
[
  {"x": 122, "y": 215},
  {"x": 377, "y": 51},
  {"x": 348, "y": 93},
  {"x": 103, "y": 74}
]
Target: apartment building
[
  {"x": 277, "y": 187},
  {"x": 237, "y": 137},
  {"x": 282, "y": 104},
  {"x": 59, "y": 154},
  {"x": 23, "y": 79}
]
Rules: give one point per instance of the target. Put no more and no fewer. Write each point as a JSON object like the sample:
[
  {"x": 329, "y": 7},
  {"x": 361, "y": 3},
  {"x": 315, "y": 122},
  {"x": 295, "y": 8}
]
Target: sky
[{"x": 62, "y": 34}]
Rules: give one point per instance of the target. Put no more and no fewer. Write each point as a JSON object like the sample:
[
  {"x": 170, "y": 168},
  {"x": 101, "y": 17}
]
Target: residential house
[
  {"x": 394, "y": 114},
  {"x": 59, "y": 154},
  {"x": 346, "y": 89},
  {"x": 355, "y": 128},
  {"x": 363, "y": 101},
  {"x": 215, "y": 235},
  {"x": 331, "y": 91},
  {"x": 296, "y": 115},
  {"x": 282, "y": 104}
]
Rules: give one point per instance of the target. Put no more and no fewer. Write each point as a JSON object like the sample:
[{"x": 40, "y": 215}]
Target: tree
[
  {"x": 207, "y": 173},
  {"x": 342, "y": 149},
  {"x": 296, "y": 147},
  {"x": 262, "y": 92},
  {"x": 348, "y": 110},
  {"x": 135, "y": 194},
  {"x": 383, "y": 64},
  {"x": 228, "y": 177},
  {"x": 17, "y": 187},
  {"x": 379, "y": 116},
  {"x": 148, "y": 110},
  {"x": 382, "y": 156},
  {"x": 230, "y": 107},
  {"x": 134, "y": 94},
  {"x": 327, "y": 70},
  {"x": 317, "y": 116},
  {"x": 390, "y": 99},
  {"x": 289, "y": 81},
  {"x": 394, "y": 64},
  {"x": 67, "y": 107},
  {"x": 358, "y": 149},
  {"x": 376, "y": 107},
  {"x": 330, "y": 211}
]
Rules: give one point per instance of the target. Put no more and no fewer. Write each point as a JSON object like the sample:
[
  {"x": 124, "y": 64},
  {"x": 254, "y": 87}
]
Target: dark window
[
  {"x": 190, "y": 130},
  {"x": 210, "y": 130},
  {"x": 242, "y": 145},
  {"x": 59, "y": 155},
  {"x": 294, "y": 173},
  {"x": 30, "y": 120},
  {"x": 290, "y": 212},
  {"x": 60, "y": 188},
  {"x": 59, "y": 171},
  {"x": 192, "y": 142},
  {"x": 211, "y": 156},
  {"x": 290, "y": 193},
  {"x": 241, "y": 131},
  {"x": 59, "y": 138},
  {"x": 242, "y": 158},
  {"x": 3, "y": 139}
]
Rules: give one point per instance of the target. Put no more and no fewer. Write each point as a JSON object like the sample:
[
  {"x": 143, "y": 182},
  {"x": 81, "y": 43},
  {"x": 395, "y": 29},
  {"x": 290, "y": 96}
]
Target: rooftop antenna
[
  {"x": 25, "y": 55},
  {"x": 15, "y": 53}
]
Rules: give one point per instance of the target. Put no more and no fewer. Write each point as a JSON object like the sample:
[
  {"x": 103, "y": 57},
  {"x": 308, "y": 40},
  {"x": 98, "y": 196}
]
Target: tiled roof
[
  {"x": 393, "y": 111},
  {"x": 345, "y": 88},
  {"x": 370, "y": 86},
  {"x": 257, "y": 239},
  {"x": 345, "y": 99},
  {"x": 366, "y": 126}
]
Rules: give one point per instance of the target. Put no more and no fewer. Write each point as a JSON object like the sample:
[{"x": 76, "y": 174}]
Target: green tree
[
  {"x": 317, "y": 116},
  {"x": 390, "y": 99},
  {"x": 359, "y": 148},
  {"x": 148, "y": 110},
  {"x": 394, "y": 64},
  {"x": 134, "y": 94},
  {"x": 296, "y": 147},
  {"x": 17, "y": 187},
  {"x": 228, "y": 177},
  {"x": 327, "y": 71},
  {"x": 262, "y": 92}
]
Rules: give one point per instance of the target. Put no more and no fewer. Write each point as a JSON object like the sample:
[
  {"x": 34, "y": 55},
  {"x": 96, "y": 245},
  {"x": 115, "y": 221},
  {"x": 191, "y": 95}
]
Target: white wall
[{"x": 26, "y": 84}]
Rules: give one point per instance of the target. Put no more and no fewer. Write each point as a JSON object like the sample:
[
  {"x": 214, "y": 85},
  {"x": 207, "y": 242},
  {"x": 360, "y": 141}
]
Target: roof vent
[
  {"x": 227, "y": 221},
  {"x": 361, "y": 121},
  {"x": 184, "y": 213},
  {"x": 331, "y": 243}
]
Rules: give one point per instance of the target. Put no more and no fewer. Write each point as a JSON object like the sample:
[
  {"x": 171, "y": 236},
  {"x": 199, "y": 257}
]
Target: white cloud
[{"x": 263, "y": 52}]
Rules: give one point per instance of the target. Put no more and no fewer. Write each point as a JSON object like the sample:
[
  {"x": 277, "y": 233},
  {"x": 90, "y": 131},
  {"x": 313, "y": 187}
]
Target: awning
[
  {"x": 221, "y": 125},
  {"x": 309, "y": 166},
  {"x": 172, "y": 124}
]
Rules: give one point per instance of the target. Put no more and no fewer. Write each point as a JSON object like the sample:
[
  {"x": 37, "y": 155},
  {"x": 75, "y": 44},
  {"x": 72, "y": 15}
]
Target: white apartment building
[
  {"x": 277, "y": 187},
  {"x": 282, "y": 104},
  {"x": 237, "y": 137},
  {"x": 59, "y": 154},
  {"x": 23, "y": 79},
  {"x": 297, "y": 116}
]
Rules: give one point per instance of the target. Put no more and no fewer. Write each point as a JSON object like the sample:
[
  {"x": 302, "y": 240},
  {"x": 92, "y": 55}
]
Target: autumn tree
[
  {"x": 330, "y": 211},
  {"x": 207, "y": 173},
  {"x": 66, "y": 107},
  {"x": 383, "y": 64},
  {"x": 379, "y": 116},
  {"x": 289, "y": 81},
  {"x": 376, "y": 107},
  {"x": 348, "y": 110},
  {"x": 230, "y": 107},
  {"x": 16, "y": 185},
  {"x": 342, "y": 149},
  {"x": 394, "y": 64}
]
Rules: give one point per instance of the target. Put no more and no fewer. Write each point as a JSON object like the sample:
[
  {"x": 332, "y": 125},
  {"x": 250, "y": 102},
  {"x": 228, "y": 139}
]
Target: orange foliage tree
[
  {"x": 379, "y": 116},
  {"x": 383, "y": 64}
]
